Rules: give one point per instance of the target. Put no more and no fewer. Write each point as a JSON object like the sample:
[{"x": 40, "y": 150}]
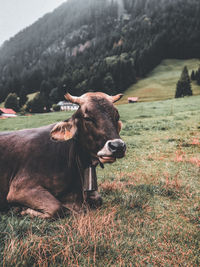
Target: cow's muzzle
[{"x": 112, "y": 149}]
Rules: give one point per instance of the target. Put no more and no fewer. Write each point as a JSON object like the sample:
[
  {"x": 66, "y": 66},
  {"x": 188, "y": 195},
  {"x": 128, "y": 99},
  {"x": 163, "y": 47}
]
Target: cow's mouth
[
  {"x": 112, "y": 150},
  {"x": 107, "y": 159}
]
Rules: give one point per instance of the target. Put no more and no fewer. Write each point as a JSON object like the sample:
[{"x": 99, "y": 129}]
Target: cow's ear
[
  {"x": 119, "y": 126},
  {"x": 63, "y": 131}
]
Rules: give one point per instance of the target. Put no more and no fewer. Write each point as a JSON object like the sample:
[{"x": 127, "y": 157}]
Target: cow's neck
[
  {"x": 87, "y": 168},
  {"x": 85, "y": 156}
]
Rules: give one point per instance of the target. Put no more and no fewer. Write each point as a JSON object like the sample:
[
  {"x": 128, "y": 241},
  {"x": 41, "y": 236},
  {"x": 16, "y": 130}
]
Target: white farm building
[{"x": 67, "y": 106}]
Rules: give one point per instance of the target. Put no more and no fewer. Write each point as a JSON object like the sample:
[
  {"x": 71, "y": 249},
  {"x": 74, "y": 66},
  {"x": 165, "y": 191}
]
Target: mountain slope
[
  {"x": 98, "y": 45},
  {"x": 161, "y": 82}
]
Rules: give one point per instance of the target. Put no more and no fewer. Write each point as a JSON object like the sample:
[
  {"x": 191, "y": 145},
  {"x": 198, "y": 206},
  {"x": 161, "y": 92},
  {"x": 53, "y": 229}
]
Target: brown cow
[{"x": 50, "y": 168}]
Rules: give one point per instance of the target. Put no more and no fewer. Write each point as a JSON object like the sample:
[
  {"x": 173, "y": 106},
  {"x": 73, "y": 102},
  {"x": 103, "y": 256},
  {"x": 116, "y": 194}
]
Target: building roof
[
  {"x": 7, "y": 111},
  {"x": 65, "y": 103},
  {"x": 133, "y": 98}
]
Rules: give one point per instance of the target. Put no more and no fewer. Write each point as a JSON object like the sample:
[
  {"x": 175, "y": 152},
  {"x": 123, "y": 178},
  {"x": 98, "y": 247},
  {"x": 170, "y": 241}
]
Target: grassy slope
[
  {"x": 150, "y": 213},
  {"x": 31, "y": 96},
  {"x": 160, "y": 84}
]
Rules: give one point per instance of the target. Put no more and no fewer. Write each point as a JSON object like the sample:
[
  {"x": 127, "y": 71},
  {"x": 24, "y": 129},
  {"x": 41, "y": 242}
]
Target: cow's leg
[
  {"x": 94, "y": 199},
  {"x": 73, "y": 202},
  {"x": 40, "y": 202},
  {"x": 33, "y": 213}
]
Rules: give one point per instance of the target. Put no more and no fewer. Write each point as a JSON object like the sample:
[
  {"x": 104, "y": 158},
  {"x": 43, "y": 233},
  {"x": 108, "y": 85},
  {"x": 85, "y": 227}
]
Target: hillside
[
  {"x": 103, "y": 45},
  {"x": 161, "y": 82}
]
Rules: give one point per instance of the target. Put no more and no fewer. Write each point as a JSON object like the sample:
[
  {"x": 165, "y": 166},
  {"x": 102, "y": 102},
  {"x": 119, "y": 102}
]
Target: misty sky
[{"x": 15, "y": 15}]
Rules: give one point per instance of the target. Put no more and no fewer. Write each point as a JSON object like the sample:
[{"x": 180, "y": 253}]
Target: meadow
[
  {"x": 150, "y": 214},
  {"x": 161, "y": 82}
]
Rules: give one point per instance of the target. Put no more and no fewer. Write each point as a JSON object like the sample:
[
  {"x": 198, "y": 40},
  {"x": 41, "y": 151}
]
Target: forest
[{"x": 97, "y": 45}]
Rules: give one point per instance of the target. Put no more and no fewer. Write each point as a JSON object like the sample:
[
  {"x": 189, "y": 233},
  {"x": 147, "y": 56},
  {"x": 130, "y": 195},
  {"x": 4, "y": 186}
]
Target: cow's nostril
[
  {"x": 112, "y": 146},
  {"x": 117, "y": 146}
]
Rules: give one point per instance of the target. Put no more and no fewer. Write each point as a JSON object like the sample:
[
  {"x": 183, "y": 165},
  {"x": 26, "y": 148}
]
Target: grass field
[
  {"x": 151, "y": 210},
  {"x": 161, "y": 83}
]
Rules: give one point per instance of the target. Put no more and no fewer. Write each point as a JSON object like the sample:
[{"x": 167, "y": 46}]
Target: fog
[{"x": 15, "y": 15}]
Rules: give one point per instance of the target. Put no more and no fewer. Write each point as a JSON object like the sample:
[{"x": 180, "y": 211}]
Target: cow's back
[{"x": 16, "y": 146}]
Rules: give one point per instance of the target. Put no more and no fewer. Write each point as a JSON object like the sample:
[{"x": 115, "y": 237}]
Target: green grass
[
  {"x": 32, "y": 121},
  {"x": 160, "y": 83},
  {"x": 150, "y": 215}
]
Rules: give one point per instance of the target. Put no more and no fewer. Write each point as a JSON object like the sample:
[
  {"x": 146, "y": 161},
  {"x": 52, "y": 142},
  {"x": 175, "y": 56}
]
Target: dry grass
[{"x": 85, "y": 235}]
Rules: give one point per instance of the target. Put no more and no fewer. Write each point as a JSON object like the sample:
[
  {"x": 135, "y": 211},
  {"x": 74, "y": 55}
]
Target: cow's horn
[
  {"x": 73, "y": 99},
  {"x": 115, "y": 98}
]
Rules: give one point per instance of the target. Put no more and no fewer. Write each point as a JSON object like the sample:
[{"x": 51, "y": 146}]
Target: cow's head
[{"x": 96, "y": 126}]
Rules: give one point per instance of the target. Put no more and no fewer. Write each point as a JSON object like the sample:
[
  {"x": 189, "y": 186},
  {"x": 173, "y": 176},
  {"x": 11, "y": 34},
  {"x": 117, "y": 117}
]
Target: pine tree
[
  {"x": 179, "y": 90},
  {"x": 12, "y": 102},
  {"x": 22, "y": 96},
  {"x": 45, "y": 89},
  {"x": 183, "y": 87},
  {"x": 193, "y": 75},
  {"x": 198, "y": 76}
]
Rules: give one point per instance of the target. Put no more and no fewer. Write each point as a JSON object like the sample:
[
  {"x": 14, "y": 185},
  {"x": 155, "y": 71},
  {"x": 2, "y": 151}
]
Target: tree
[
  {"x": 198, "y": 76},
  {"x": 12, "y": 102},
  {"x": 54, "y": 95},
  {"x": 179, "y": 91},
  {"x": 44, "y": 93},
  {"x": 55, "y": 107},
  {"x": 193, "y": 75},
  {"x": 108, "y": 84},
  {"x": 36, "y": 105},
  {"x": 22, "y": 97},
  {"x": 183, "y": 87}
]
